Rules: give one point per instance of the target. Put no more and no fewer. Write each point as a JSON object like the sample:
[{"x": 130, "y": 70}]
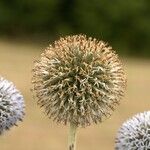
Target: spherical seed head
[
  {"x": 11, "y": 105},
  {"x": 78, "y": 80},
  {"x": 135, "y": 133}
]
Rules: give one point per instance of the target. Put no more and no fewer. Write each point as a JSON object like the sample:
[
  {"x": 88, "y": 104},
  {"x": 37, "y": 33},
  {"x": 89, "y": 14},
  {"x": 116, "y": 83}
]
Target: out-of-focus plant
[
  {"x": 78, "y": 81},
  {"x": 123, "y": 23}
]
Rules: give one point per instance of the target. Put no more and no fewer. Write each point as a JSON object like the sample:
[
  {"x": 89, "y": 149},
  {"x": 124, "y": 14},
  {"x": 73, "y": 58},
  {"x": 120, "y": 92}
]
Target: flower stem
[{"x": 72, "y": 136}]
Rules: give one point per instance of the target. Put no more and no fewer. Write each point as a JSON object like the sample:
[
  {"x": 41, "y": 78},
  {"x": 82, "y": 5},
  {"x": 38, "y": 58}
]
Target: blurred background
[{"x": 27, "y": 27}]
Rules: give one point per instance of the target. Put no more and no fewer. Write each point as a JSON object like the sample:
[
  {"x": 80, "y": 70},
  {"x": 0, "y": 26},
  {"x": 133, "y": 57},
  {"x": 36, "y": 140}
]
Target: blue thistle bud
[
  {"x": 11, "y": 105},
  {"x": 134, "y": 134}
]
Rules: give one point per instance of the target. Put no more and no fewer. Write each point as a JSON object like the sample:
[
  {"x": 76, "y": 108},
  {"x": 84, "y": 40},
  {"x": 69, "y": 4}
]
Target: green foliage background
[{"x": 124, "y": 24}]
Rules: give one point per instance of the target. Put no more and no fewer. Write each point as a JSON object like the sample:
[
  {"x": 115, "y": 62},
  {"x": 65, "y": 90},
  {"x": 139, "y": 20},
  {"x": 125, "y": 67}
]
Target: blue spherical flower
[
  {"x": 135, "y": 133},
  {"x": 11, "y": 105}
]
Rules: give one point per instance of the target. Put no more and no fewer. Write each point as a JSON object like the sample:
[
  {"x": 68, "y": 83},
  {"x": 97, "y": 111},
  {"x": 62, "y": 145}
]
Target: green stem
[{"x": 72, "y": 136}]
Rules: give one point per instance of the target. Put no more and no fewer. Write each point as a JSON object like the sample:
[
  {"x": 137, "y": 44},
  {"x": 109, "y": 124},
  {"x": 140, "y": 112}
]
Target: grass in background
[{"x": 37, "y": 132}]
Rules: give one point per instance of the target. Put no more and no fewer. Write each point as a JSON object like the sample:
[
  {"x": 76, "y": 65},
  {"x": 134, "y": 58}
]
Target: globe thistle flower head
[
  {"x": 78, "y": 79},
  {"x": 135, "y": 133},
  {"x": 11, "y": 105}
]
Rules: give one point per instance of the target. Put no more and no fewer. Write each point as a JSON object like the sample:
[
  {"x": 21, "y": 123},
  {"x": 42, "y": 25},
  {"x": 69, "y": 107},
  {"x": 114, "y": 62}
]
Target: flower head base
[
  {"x": 135, "y": 133},
  {"x": 11, "y": 105},
  {"x": 78, "y": 80}
]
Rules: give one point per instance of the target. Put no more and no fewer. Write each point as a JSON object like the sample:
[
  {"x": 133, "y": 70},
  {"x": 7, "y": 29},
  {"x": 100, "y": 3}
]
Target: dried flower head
[
  {"x": 135, "y": 133},
  {"x": 11, "y": 105},
  {"x": 78, "y": 80}
]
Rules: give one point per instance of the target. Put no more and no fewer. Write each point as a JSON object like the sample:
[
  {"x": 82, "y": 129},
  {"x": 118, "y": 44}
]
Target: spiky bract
[
  {"x": 135, "y": 133},
  {"x": 11, "y": 105},
  {"x": 79, "y": 80}
]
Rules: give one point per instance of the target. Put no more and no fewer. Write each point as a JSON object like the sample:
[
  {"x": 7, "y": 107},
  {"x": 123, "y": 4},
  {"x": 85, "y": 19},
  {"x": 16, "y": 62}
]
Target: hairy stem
[{"x": 72, "y": 136}]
